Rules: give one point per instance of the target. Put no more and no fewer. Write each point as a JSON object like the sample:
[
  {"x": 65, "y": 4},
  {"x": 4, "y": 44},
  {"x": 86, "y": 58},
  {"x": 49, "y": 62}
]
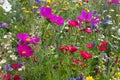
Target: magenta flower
[
  {"x": 45, "y": 11},
  {"x": 24, "y": 50},
  {"x": 85, "y": 16},
  {"x": 57, "y": 19},
  {"x": 96, "y": 20},
  {"x": 24, "y": 37}
]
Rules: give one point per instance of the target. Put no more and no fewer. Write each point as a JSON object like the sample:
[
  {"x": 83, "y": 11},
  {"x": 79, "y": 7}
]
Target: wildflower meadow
[{"x": 59, "y": 39}]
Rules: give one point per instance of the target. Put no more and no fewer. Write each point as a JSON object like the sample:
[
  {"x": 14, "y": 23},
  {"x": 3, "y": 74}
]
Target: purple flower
[
  {"x": 4, "y": 24},
  {"x": 24, "y": 37},
  {"x": 24, "y": 50},
  {"x": 72, "y": 79},
  {"x": 7, "y": 67},
  {"x": 96, "y": 20},
  {"x": 85, "y": 16},
  {"x": 45, "y": 11},
  {"x": 38, "y": 0}
]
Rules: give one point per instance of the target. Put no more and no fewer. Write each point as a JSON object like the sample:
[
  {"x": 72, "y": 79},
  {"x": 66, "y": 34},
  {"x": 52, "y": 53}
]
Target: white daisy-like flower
[
  {"x": 6, "y": 6},
  {"x": 2, "y": 61}
]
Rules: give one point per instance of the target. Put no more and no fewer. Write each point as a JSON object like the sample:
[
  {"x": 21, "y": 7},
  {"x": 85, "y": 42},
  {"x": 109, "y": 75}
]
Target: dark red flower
[
  {"x": 61, "y": 48},
  {"x": 15, "y": 66},
  {"x": 6, "y": 77},
  {"x": 102, "y": 48},
  {"x": 16, "y": 77},
  {"x": 85, "y": 55},
  {"x": 35, "y": 59}
]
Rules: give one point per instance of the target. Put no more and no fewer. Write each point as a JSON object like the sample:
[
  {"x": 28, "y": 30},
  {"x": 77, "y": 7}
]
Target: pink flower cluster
[{"x": 24, "y": 50}]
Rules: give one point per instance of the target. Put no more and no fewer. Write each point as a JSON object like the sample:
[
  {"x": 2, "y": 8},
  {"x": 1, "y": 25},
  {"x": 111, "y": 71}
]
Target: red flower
[
  {"x": 79, "y": 62},
  {"x": 85, "y": 55},
  {"x": 104, "y": 43},
  {"x": 88, "y": 30},
  {"x": 15, "y": 66},
  {"x": 16, "y": 77},
  {"x": 90, "y": 46},
  {"x": 71, "y": 48},
  {"x": 102, "y": 48},
  {"x": 61, "y": 48},
  {"x": 35, "y": 59},
  {"x": 73, "y": 23},
  {"x": 6, "y": 77}
]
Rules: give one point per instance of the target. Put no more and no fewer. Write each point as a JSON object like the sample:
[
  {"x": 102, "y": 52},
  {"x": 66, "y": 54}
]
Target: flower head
[
  {"x": 85, "y": 55},
  {"x": 85, "y": 16},
  {"x": 24, "y": 37},
  {"x": 45, "y": 11},
  {"x": 89, "y": 78},
  {"x": 24, "y": 50}
]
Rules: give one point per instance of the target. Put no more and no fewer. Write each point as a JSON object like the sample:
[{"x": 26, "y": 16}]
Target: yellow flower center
[
  {"x": 23, "y": 52},
  {"x": 28, "y": 39}
]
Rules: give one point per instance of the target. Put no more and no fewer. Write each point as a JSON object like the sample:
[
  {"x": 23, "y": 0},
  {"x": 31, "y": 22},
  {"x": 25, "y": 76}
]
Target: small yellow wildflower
[
  {"x": 118, "y": 74},
  {"x": 87, "y": 9},
  {"x": 80, "y": 3},
  {"x": 27, "y": 11},
  {"x": 50, "y": 1},
  {"x": 89, "y": 78},
  {"x": 34, "y": 7},
  {"x": 23, "y": 8}
]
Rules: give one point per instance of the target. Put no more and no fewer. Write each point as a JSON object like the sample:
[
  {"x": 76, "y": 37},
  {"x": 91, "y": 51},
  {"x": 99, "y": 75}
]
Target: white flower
[
  {"x": 13, "y": 57},
  {"x": 119, "y": 32},
  {"x": 0, "y": 67},
  {"x": 2, "y": 61},
  {"x": 6, "y": 6}
]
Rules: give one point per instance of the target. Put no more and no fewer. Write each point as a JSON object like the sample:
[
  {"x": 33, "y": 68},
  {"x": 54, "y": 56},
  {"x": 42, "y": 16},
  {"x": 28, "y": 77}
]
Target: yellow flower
[
  {"x": 34, "y": 7},
  {"x": 27, "y": 11},
  {"x": 87, "y": 9},
  {"x": 23, "y": 8},
  {"x": 89, "y": 78},
  {"x": 80, "y": 3},
  {"x": 50, "y": 1},
  {"x": 65, "y": 8},
  {"x": 118, "y": 74}
]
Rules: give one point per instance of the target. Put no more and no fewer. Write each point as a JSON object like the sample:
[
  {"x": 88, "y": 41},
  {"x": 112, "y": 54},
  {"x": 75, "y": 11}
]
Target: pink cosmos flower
[
  {"x": 24, "y": 37},
  {"x": 45, "y": 11},
  {"x": 24, "y": 50},
  {"x": 113, "y": 1},
  {"x": 85, "y": 16},
  {"x": 57, "y": 19},
  {"x": 85, "y": 55}
]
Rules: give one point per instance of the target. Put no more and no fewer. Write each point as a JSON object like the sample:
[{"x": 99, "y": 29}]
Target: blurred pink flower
[
  {"x": 24, "y": 37},
  {"x": 24, "y": 50}
]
